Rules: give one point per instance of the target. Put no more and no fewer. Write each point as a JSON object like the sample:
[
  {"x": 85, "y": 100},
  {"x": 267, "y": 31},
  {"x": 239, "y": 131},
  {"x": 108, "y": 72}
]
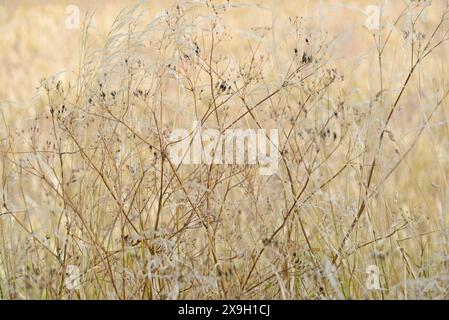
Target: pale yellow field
[{"x": 93, "y": 208}]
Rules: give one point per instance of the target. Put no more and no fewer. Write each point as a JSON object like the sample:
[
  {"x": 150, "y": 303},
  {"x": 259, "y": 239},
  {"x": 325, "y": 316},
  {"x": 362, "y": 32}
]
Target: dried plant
[{"x": 94, "y": 207}]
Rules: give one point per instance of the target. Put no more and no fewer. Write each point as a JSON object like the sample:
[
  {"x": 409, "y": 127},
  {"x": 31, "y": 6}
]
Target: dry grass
[{"x": 87, "y": 183}]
